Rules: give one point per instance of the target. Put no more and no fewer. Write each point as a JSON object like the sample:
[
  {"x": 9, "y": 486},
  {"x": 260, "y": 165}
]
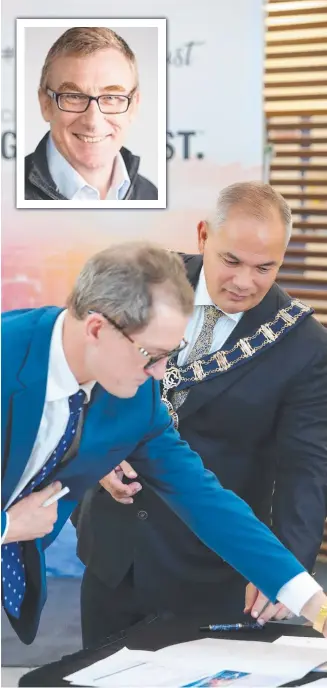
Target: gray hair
[
  {"x": 123, "y": 281},
  {"x": 256, "y": 199},
  {"x": 86, "y": 41}
]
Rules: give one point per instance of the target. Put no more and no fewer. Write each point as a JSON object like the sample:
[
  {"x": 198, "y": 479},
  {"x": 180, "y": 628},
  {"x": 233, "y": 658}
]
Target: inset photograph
[{"x": 91, "y": 113}]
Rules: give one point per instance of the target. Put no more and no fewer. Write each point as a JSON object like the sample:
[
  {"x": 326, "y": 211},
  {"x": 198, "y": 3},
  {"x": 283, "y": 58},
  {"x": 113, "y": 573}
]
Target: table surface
[{"x": 153, "y": 634}]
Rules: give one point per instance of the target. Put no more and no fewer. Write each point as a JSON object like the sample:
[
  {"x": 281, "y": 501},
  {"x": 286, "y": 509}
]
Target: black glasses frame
[
  {"x": 152, "y": 359},
  {"x": 56, "y": 96}
]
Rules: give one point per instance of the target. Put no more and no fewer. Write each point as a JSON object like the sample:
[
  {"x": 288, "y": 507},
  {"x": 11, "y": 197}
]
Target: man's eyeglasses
[
  {"x": 111, "y": 104},
  {"x": 152, "y": 359}
]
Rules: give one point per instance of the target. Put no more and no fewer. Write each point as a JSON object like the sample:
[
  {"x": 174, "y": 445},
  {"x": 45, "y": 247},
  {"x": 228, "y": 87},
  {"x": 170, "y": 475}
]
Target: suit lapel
[
  {"x": 203, "y": 392},
  {"x": 193, "y": 265},
  {"x": 28, "y": 402}
]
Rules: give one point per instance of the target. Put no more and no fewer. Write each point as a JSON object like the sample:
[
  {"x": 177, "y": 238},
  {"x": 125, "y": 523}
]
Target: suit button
[{"x": 142, "y": 515}]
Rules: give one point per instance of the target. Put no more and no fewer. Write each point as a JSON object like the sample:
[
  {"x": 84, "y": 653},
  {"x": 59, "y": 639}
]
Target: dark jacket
[
  {"x": 259, "y": 427},
  {"x": 39, "y": 185}
]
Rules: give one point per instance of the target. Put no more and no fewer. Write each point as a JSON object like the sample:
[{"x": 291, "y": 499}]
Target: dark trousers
[{"x": 106, "y": 610}]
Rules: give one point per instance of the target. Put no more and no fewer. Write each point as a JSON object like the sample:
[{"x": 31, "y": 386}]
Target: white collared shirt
[
  {"x": 61, "y": 384},
  {"x": 223, "y": 327},
  {"x": 72, "y": 185}
]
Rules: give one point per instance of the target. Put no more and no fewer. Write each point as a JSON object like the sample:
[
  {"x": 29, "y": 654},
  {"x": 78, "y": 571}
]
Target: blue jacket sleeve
[
  {"x": 65, "y": 508},
  {"x": 223, "y": 521}
]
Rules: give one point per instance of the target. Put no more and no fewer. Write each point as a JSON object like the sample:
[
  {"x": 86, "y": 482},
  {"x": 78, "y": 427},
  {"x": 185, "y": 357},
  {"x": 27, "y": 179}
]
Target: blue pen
[{"x": 232, "y": 627}]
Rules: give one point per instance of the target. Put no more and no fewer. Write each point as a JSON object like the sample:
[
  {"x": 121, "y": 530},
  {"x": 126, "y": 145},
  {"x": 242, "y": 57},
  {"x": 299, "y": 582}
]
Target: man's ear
[
  {"x": 202, "y": 230},
  {"x": 45, "y": 104},
  {"x": 134, "y": 106}
]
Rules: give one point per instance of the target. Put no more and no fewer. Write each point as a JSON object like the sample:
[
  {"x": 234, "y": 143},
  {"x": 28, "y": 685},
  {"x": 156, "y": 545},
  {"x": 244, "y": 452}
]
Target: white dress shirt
[
  {"x": 72, "y": 185},
  {"x": 298, "y": 591},
  {"x": 61, "y": 384}
]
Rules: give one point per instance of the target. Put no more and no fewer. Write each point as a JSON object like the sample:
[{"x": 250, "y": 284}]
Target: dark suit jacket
[
  {"x": 113, "y": 430},
  {"x": 260, "y": 425}
]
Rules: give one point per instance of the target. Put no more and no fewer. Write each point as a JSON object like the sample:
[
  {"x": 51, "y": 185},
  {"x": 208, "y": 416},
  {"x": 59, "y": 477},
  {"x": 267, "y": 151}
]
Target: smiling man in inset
[{"x": 89, "y": 95}]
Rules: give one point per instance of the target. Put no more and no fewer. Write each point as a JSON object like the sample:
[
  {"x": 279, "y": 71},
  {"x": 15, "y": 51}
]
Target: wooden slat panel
[
  {"x": 299, "y": 265},
  {"x": 285, "y": 51},
  {"x": 283, "y": 66},
  {"x": 295, "y": 70},
  {"x": 280, "y": 65},
  {"x": 308, "y": 210},
  {"x": 319, "y": 306},
  {"x": 298, "y": 81},
  {"x": 301, "y": 279},
  {"x": 315, "y": 119},
  {"x": 297, "y": 14},
  {"x": 297, "y": 8},
  {"x": 296, "y": 145},
  {"x": 316, "y": 226},
  {"x": 301, "y": 167},
  {"x": 299, "y": 140},
  {"x": 287, "y": 3},
  {"x": 301, "y": 153},
  {"x": 303, "y": 251},
  {"x": 303, "y": 108},
  {"x": 296, "y": 114},
  {"x": 301, "y": 126},
  {"x": 299, "y": 181},
  {"x": 306, "y": 293},
  {"x": 306, "y": 196},
  {"x": 296, "y": 36},
  {"x": 306, "y": 89},
  {"x": 294, "y": 94},
  {"x": 297, "y": 21}
]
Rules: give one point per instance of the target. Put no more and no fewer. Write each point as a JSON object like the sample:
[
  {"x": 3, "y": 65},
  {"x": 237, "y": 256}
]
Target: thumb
[
  {"x": 49, "y": 491},
  {"x": 128, "y": 470},
  {"x": 251, "y": 594}
]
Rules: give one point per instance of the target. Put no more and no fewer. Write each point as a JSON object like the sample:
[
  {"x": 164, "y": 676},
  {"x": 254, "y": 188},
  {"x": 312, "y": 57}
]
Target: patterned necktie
[
  {"x": 201, "y": 347},
  {"x": 12, "y": 559}
]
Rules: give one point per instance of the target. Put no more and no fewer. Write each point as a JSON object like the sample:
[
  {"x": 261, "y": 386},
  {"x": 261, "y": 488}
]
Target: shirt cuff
[
  {"x": 6, "y": 528},
  {"x": 298, "y": 591}
]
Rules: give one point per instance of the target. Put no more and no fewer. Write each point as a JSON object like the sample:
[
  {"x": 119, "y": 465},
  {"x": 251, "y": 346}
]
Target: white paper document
[
  {"x": 242, "y": 655},
  {"x": 200, "y": 663},
  {"x": 120, "y": 661},
  {"x": 302, "y": 641},
  {"x": 295, "y": 641}
]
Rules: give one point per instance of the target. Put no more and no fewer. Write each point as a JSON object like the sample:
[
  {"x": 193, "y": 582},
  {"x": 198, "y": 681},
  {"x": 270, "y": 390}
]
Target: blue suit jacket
[{"x": 113, "y": 430}]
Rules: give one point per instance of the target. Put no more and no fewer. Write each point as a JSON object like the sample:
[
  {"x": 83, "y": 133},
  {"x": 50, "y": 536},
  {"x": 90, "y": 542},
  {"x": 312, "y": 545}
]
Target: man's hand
[
  {"x": 261, "y": 609},
  {"x": 29, "y": 519},
  {"x": 120, "y": 491},
  {"x": 312, "y": 608}
]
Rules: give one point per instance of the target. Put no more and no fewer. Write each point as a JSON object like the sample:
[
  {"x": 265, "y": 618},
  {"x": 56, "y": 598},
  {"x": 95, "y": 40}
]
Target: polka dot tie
[{"x": 13, "y": 571}]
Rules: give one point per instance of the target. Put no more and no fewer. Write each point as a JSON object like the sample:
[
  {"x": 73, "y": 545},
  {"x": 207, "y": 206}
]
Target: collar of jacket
[{"x": 38, "y": 173}]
